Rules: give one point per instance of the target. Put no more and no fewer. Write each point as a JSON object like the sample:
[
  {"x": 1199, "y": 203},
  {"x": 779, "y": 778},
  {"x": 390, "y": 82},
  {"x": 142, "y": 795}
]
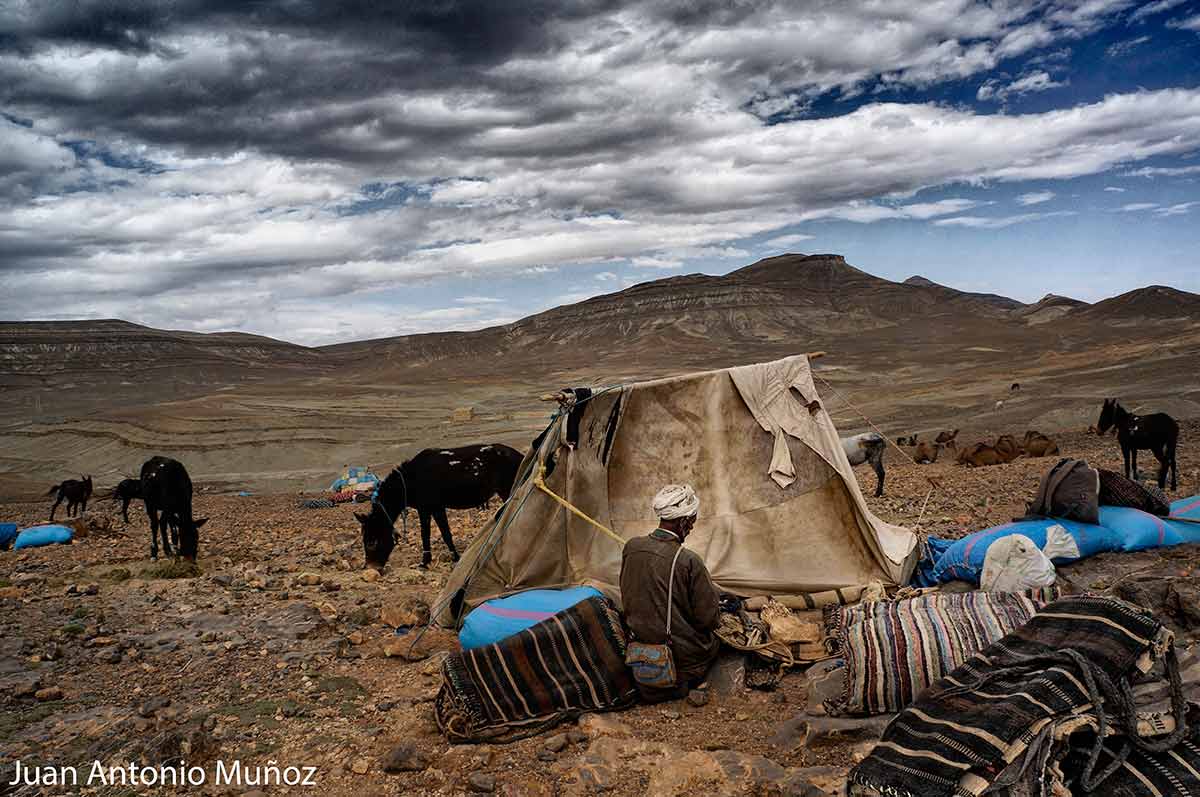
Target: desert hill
[{"x": 913, "y": 355}]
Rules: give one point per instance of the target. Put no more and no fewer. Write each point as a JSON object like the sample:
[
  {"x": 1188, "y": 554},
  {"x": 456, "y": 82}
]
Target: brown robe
[{"x": 645, "y": 565}]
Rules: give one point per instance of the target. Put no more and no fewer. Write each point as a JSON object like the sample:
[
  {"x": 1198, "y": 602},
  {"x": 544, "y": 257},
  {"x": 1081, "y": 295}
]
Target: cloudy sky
[{"x": 321, "y": 170}]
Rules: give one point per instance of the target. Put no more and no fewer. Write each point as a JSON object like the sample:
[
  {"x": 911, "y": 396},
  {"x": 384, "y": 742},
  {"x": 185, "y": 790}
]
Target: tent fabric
[{"x": 728, "y": 436}]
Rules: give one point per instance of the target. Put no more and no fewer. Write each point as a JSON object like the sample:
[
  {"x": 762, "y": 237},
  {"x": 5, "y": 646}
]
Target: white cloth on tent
[
  {"x": 767, "y": 391},
  {"x": 676, "y": 501}
]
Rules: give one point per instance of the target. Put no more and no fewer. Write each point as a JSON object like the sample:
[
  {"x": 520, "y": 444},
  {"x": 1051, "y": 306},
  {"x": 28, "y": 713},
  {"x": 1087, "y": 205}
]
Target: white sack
[{"x": 1014, "y": 564}]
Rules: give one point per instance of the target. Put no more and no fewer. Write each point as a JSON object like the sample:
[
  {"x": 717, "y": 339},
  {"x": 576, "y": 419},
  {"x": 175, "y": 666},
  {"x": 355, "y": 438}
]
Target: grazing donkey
[
  {"x": 167, "y": 492},
  {"x": 867, "y": 447},
  {"x": 76, "y": 491},
  {"x": 432, "y": 482},
  {"x": 1157, "y": 433},
  {"x": 125, "y": 492}
]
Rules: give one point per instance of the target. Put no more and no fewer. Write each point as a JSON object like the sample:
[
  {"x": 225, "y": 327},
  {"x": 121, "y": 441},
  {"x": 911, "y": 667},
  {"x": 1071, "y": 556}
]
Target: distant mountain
[
  {"x": 43, "y": 347},
  {"x": 1156, "y": 303},
  {"x": 1002, "y": 302},
  {"x": 1049, "y": 308}
]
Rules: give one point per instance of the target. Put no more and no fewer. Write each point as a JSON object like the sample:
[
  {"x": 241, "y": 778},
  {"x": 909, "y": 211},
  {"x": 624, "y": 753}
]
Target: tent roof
[{"x": 781, "y": 511}]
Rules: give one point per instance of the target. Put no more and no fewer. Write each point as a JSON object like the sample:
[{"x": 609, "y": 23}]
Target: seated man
[{"x": 645, "y": 568}]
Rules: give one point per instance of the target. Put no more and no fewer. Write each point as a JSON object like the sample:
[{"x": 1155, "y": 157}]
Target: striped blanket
[
  {"x": 574, "y": 662},
  {"x": 965, "y": 730},
  {"x": 895, "y": 649}
]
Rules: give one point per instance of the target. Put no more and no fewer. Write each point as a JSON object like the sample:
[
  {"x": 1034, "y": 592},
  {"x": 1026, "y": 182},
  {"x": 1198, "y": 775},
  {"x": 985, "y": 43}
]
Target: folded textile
[
  {"x": 895, "y": 649},
  {"x": 1072, "y": 662},
  {"x": 561, "y": 667}
]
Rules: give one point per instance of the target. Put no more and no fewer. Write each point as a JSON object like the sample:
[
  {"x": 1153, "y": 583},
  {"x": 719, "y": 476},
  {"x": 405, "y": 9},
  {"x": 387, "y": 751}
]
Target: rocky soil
[{"x": 277, "y": 651}]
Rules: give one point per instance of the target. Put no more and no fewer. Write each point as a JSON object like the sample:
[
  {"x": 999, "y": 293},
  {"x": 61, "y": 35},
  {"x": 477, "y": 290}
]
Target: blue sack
[
  {"x": 37, "y": 536},
  {"x": 1120, "y": 529},
  {"x": 499, "y": 619},
  {"x": 8, "y": 533}
]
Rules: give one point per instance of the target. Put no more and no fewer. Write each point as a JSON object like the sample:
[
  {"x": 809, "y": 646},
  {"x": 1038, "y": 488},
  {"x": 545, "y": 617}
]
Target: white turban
[{"x": 676, "y": 501}]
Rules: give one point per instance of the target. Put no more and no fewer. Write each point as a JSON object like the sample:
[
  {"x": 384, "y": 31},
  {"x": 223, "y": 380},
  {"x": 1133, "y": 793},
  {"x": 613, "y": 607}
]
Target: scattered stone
[
  {"x": 595, "y": 725},
  {"x": 481, "y": 783},
  {"x": 741, "y": 716},
  {"x": 91, "y": 589},
  {"x": 328, "y": 611},
  {"x": 361, "y": 766},
  {"x": 406, "y": 611},
  {"x": 110, "y": 656},
  {"x": 370, "y": 575},
  {"x": 53, "y": 652},
  {"x": 576, "y": 736},
  {"x": 12, "y": 593},
  {"x": 26, "y": 688},
  {"x": 698, "y": 697},
  {"x": 308, "y": 579},
  {"x": 405, "y": 757},
  {"x": 356, "y": 637},
  {"x": 556, "y": 743},
  {"x": 152, "y": 706},
  {"x": 49, "y": 693},
  {"x": 670, "y": 713}
]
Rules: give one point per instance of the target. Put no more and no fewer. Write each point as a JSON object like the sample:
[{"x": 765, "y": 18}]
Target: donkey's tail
[{"x": 55, "y": 489}]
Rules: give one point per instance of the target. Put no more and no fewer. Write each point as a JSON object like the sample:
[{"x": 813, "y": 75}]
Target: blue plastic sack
[
  {"x": 37, "y": 536},
  {"x": 498, "y": 619},
  {"x": 1120, "y": 529},
  {"x": 8, "y": 533}
]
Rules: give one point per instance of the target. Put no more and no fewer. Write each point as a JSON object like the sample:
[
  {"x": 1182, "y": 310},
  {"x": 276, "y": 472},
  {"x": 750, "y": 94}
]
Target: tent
[
  {"x": 781, "y": 512},
  {"x": 356, "y": 479}
]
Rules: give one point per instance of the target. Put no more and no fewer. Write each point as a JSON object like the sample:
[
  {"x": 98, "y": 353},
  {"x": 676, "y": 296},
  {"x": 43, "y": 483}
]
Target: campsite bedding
[
  {"x": 1120, "y": 529},
  {"x": 569, "y": 664},
  {"x": 895, "y": 649},
  {"x": 495, "y": 620},
  {"x": 1002, "y": 705}
]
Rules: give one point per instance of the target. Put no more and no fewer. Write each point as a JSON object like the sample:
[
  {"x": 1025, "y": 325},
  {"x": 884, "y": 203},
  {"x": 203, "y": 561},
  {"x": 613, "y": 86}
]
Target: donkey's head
[
  {"x": 1108, "y": 416},
  {"x": 378, "y": 536}
]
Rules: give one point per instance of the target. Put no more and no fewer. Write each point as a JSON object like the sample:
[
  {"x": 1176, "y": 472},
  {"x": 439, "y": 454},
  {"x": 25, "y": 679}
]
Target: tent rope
[
  {"x": 932, "y": 482},
  {"x": 539, "y": 481}
]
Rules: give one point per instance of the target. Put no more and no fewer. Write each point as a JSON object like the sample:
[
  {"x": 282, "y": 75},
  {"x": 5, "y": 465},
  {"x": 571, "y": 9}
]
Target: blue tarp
[
  {"x": 501, "y": 618},
  {"x": 37, "y": 536},
  {"x": 8, "y": 533},
  {"x": 1120, "y": 529},
  {"x": 355, "y": 479}
]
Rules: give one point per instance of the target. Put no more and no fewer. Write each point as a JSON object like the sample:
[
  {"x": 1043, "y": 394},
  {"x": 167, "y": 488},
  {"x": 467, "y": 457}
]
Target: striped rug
[
  {"x": 895, "y": 649},
  {"x": 965, "y": 730},
  {"x": 571, "y": 663}
]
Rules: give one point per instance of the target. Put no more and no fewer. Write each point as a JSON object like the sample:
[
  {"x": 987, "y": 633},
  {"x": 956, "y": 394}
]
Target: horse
[
  {"x": 167, "y": 493},
  {"x": 433, "y": 481},
  {"x": 128, "y": 490},
  {"x": 867, "y": 447},
  {"x": 76, "y": 491},
  {"x": 1157, "y": 433}
]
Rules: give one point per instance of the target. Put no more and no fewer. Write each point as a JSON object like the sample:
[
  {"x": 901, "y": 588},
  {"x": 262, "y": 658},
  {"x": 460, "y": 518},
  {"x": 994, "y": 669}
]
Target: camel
[
  {"x": 926, "y": 453},
  {"x": 1037, "y": 444},
  {"x": 1008, "y": 448},
  {"x": 979, "y": 455},
  {"x": 947, "y": 439}
]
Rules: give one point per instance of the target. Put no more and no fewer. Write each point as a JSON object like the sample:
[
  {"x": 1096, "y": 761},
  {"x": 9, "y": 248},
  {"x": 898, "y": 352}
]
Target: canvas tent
[{"x": 781, "y": 512}]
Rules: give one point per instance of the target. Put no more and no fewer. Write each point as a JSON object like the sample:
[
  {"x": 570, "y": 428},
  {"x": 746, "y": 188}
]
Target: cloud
[
  {"x": 1176, "y": 210},
  {"x": 999, "y": 222},
  {"x": 1134, "y": 207},
  {"x": 1031, "y": 82},
  {"x": 606, "y": 276},
  {"x": 1187, "y": 23},
  {"x": 199, "y": 164},
  {"x": 1114, "y": 189},
  {"x": 1035, "y": 197},
  {"x": 1123, "y": 48},
  {"x": 657, "y": 261},
  {"x": 479, "y": 300},
  {"x": 786, "y": 241},
  {"x": 1163, "y": 171},
  {"x": 1157, "y": 7}
]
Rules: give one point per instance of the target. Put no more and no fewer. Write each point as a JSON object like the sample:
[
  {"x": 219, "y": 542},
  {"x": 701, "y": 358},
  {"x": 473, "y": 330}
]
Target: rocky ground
[{"x": 277, "y": 652}]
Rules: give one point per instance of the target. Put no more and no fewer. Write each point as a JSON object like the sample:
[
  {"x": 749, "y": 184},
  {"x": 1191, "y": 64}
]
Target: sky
[{"x": 330, "y": 170}]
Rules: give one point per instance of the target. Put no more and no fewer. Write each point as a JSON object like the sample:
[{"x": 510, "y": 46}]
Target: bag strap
[{"x": 671, "y": 591}]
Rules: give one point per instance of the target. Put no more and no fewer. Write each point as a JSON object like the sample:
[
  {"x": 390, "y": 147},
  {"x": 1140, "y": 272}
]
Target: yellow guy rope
[{"x": 539, "y": 481}]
